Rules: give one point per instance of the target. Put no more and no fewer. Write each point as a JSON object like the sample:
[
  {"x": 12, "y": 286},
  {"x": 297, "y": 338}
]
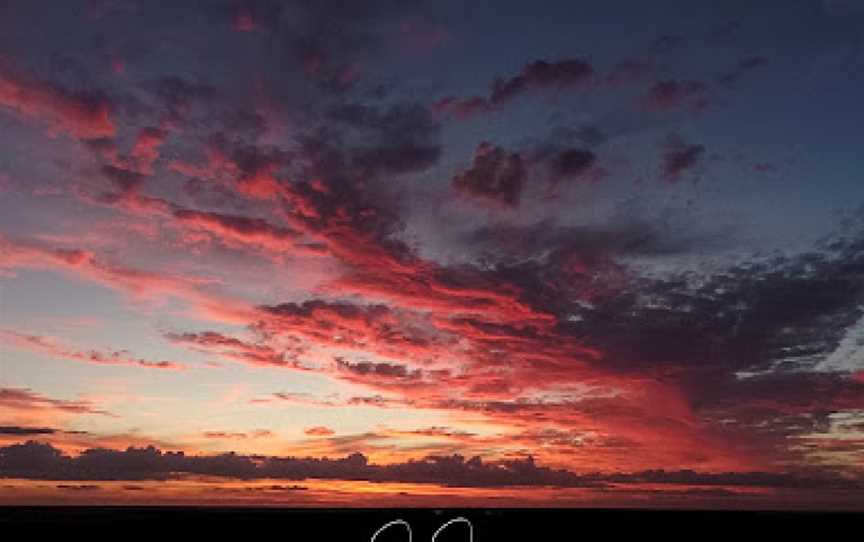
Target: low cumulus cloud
[{"x": 40, "y": 461}]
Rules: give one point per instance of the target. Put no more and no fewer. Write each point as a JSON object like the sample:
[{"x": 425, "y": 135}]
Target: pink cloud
[
  {"x": 52, "y": 348},
  {"x": 84, "y": 115},
  {"x": 319, "y": 431}
]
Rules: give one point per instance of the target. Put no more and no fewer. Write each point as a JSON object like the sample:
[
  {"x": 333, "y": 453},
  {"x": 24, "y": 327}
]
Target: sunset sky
[{"x": 402, "y": 253}]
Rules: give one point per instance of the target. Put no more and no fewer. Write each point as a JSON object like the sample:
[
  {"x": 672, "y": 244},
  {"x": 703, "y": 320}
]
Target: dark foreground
[{"x": 171, "y": 523}]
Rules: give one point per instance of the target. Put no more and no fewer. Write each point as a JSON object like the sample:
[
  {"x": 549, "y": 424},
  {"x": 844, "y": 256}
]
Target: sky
[{"x": 411, "y": 253}]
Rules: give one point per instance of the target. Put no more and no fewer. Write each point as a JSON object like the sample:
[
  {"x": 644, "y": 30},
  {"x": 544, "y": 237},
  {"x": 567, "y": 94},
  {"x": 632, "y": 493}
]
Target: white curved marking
[
  {"x": 451, "y": 522},
  {"x": 392, "y": 523}
]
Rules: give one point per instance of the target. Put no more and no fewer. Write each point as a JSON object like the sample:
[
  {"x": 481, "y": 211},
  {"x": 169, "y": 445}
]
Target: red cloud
[
  {"x": 249, "y": 231},
  {"x": 25, "y": 399},
  {"x": 230, "y": 348},
  {"x": 137, "y": 283},
  {"x": 85, "y": 115},
  {"x": 461, "y": 108},
  {"x": 319, "y": 431},
  {"x": 50, "y": 347},
  {"x": 146, "y": 148}
]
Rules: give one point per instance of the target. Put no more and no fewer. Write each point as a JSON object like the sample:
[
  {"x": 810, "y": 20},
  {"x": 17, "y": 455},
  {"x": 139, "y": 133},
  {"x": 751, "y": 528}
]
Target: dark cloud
[
  {"x": 591, "y": 246},
  {"x": 331, "y": 38},
  {"x": 679, "y": 158},
  {"x": 790, "y": 310},
  {"x": 541, "y": 74},
  {"x": 387, "y": 370},
  {"x": 536, "y": 75},
  {"x": 745, "y": 65},
  {"x": 401, "y": 138},
  {"x": 571, "y": 163},
  {"x": 630, "y": 71},
  {"x": 177, "y": 96},
  {"x": 667, "y": 42},
  {"x": 274, "y": 487},
  {"x": 350, "y": 149},
  {"x": 672, "y": 94},
  {"x": 245, "y": 123},
  {"x": 774, "y": 321},
  {"x": 734, "y": 479},
  {"x": 41, "y": 461},
  {"x": 496, "y": 175},
  {"x": 319, "y": 308},
  {"x": 16, "y": 430},
  {"x": 126, "y": 181},
  {"x": 501, "y": 176}
]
